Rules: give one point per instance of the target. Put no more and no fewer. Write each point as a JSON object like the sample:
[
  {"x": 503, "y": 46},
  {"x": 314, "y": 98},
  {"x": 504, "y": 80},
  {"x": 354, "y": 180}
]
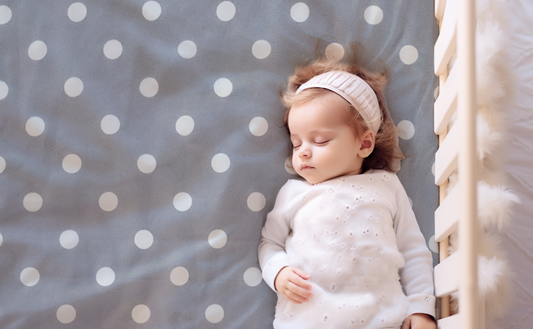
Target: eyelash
[{"x": 321, "y": 143}]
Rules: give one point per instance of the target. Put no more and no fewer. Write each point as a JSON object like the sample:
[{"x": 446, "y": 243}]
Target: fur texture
[{"x": 494, "y": 92}]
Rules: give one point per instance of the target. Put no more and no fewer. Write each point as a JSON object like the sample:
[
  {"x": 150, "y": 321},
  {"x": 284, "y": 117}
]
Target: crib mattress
[{"x": 141, "y": 147}]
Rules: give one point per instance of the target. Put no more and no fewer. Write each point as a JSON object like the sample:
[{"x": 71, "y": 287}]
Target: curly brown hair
[{"x": 386, "y": 153}]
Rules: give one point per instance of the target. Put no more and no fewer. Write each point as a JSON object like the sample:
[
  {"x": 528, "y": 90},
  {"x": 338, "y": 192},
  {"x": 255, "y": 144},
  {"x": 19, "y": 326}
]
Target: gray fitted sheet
[{"x": 117, "y": 243}]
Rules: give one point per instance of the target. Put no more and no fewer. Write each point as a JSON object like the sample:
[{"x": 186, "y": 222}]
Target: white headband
[{"x": 353, "y": 89}]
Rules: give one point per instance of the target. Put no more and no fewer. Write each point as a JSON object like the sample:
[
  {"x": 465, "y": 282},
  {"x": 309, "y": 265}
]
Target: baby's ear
[{"x": 367, "y": 144}]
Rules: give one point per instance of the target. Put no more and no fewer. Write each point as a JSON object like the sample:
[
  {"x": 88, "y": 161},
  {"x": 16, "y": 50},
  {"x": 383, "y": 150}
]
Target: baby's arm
[
  {"x": 419, "y": 321},
  {"x": 288, "y": 281},
  {"x": 417, "y": 274}
]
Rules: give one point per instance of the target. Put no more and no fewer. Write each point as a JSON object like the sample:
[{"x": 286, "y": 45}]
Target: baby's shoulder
[{"x": 381, "y": 176}]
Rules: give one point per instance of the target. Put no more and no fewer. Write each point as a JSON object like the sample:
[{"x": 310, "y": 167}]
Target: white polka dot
[
  {"x": 288, "y": 166},
  {"x": 433, "y": 168},
  {"x": 2, "y": 165},
  {"x": 32, "y": 202},
  {"x": 66, "y": 314},
  {"x": 300, "y": 12},
  {"x": 110, "y": 124},
  {"x": 5, "y": 14},
  {"x": 105, "y": 276},
  {"x": 113, "y": 49},
  {"x": 37, "y": 50},
  {"x": 72, "y": 163},
  {"x": 77, "y": 12},
  {"x": 69, "y": 239},
  {"x": 29, "y": 276},
  {"x": 214, "y": 313},
  {"x": 35, "y": 126},
  {"x": 108, "y": 201},
  {"x": 433, "y": 245},
  {"x": 408, "y": 54},
  {"x": 146, "y": 163},
  {"x": 151, "y": 10},
  {"x": 261, "y": 49},
  {"x": 436, "y": 92},
  {"x": 334, "y": 52},
  {"x": 258, "y": 126},
  {"x": 256, "y": 201},
  {"x": 223, "y": 87},
  {"x": 187, "y": 49},
  {"x": 252, "y": 276},
  {"x": 149, "y": 87},
  {"x": 1, "y": 240},
  {"x": 179, "y": 276},
  {"x": 373, "y": 15},
  {"x": 226, "y": 11},
  {"x": 220, "y": 163},
  {"x": 217, "y": 239},
  {"x": 73, "y": 87},
  {"x": 182, "y": 201},
  {"x": 185, "y": 125},
  {"x": 4, "y": 90},
  {"x": 140, "y": 313},
  {"x": 144, "y": 239},
  {"x": 406, "y": 129}
]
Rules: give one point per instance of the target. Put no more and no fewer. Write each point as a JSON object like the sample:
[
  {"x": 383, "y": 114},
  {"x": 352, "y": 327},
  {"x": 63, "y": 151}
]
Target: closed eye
[{"x": 322, "y": 143}]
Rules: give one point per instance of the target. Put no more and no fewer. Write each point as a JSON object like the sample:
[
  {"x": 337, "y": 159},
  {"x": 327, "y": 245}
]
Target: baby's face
[{"x": 324, "y": 145}]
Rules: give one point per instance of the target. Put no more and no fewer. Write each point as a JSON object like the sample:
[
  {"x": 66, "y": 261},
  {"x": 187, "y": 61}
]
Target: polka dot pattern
[
  {"x": 214, "y": 313},
  {"x": 35, "y": 126},
  {"x": 406, "y": 129},
  {"x": 77, "y": 12},
  {"x": 66, "y": 314},
  {"x": 113, "y": 49},
  {"x": 69, "y": 239},
  {"x": 4, "y": 90},
  {"x": 300, "y": 12},
  {"x": 5, "y": 14},
  {"x": 125, "y": 121},
  {"x": 217, "y": 239},
  {"x": 151, "y": 10},
  {"x": 73, "y": 87},
  {"x": 37, "y": 50},
  {"x": 408, "y": 54},
  {"x": 30, "y": 277},
  {"x": 226, "y": 11},
  {"x": 223, "y": 87},
  {"x": 141, "y": 313},
  {"x": 105, "y": 276}
]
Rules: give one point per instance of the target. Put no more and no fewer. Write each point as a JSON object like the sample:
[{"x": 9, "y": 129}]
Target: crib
[{"x": 142, "y": 147}]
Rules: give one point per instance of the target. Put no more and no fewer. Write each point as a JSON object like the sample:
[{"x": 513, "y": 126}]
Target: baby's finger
[
  {"x": 295, "y": 296},
  {"x": 300, "y": 282},
  {"x": 292, "y": 300},
  {"x": 304, "y": 293},
  {"x": 301, "y": 273}
]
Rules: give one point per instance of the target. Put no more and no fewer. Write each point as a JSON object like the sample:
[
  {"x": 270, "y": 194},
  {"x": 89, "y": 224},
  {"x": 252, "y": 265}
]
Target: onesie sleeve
[
  {"x": 272, "y": 255},
  {"x": 417, "y": 274}
]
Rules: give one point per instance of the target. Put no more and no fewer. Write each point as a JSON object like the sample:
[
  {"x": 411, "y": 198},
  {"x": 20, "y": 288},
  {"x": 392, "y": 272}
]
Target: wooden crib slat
[
  {"x": 451, "y": 322},
  {"x": 439, "y": 9},
  {"x": 446, "y": 103},
  {"x": 446, "y": 156},
  {"x": 447, "y": 216},
  {"x": 447, "y": 275},
  {"x": 446, "y": 42}
]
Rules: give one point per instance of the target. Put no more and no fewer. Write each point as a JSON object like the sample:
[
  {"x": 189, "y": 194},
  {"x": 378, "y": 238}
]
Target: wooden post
[{"x": 468, "y": 163}]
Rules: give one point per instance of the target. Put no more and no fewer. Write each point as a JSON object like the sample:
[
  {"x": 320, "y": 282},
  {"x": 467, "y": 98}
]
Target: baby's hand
[
  {"x": 290, "y": 282},
  {"x": 419, "y": 321}
]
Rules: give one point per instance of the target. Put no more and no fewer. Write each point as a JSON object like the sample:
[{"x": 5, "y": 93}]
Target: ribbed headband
[{"x": 353, "y": 89}]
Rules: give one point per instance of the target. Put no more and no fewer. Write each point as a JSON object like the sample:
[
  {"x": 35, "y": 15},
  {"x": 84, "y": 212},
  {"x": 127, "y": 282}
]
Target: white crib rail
[{"x": 457, "y": 151}]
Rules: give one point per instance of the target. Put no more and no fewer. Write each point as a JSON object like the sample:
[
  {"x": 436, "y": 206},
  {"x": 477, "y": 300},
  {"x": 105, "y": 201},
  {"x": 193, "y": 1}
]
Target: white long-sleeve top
[{"x": 358, "y": 239}]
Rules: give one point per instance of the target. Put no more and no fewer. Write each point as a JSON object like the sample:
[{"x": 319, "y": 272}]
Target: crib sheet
[{"x": 141, "y": 147}]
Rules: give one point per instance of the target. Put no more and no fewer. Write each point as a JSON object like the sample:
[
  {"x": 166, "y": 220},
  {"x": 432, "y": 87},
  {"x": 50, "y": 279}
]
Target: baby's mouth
[{"x": 303, "y": 167}]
